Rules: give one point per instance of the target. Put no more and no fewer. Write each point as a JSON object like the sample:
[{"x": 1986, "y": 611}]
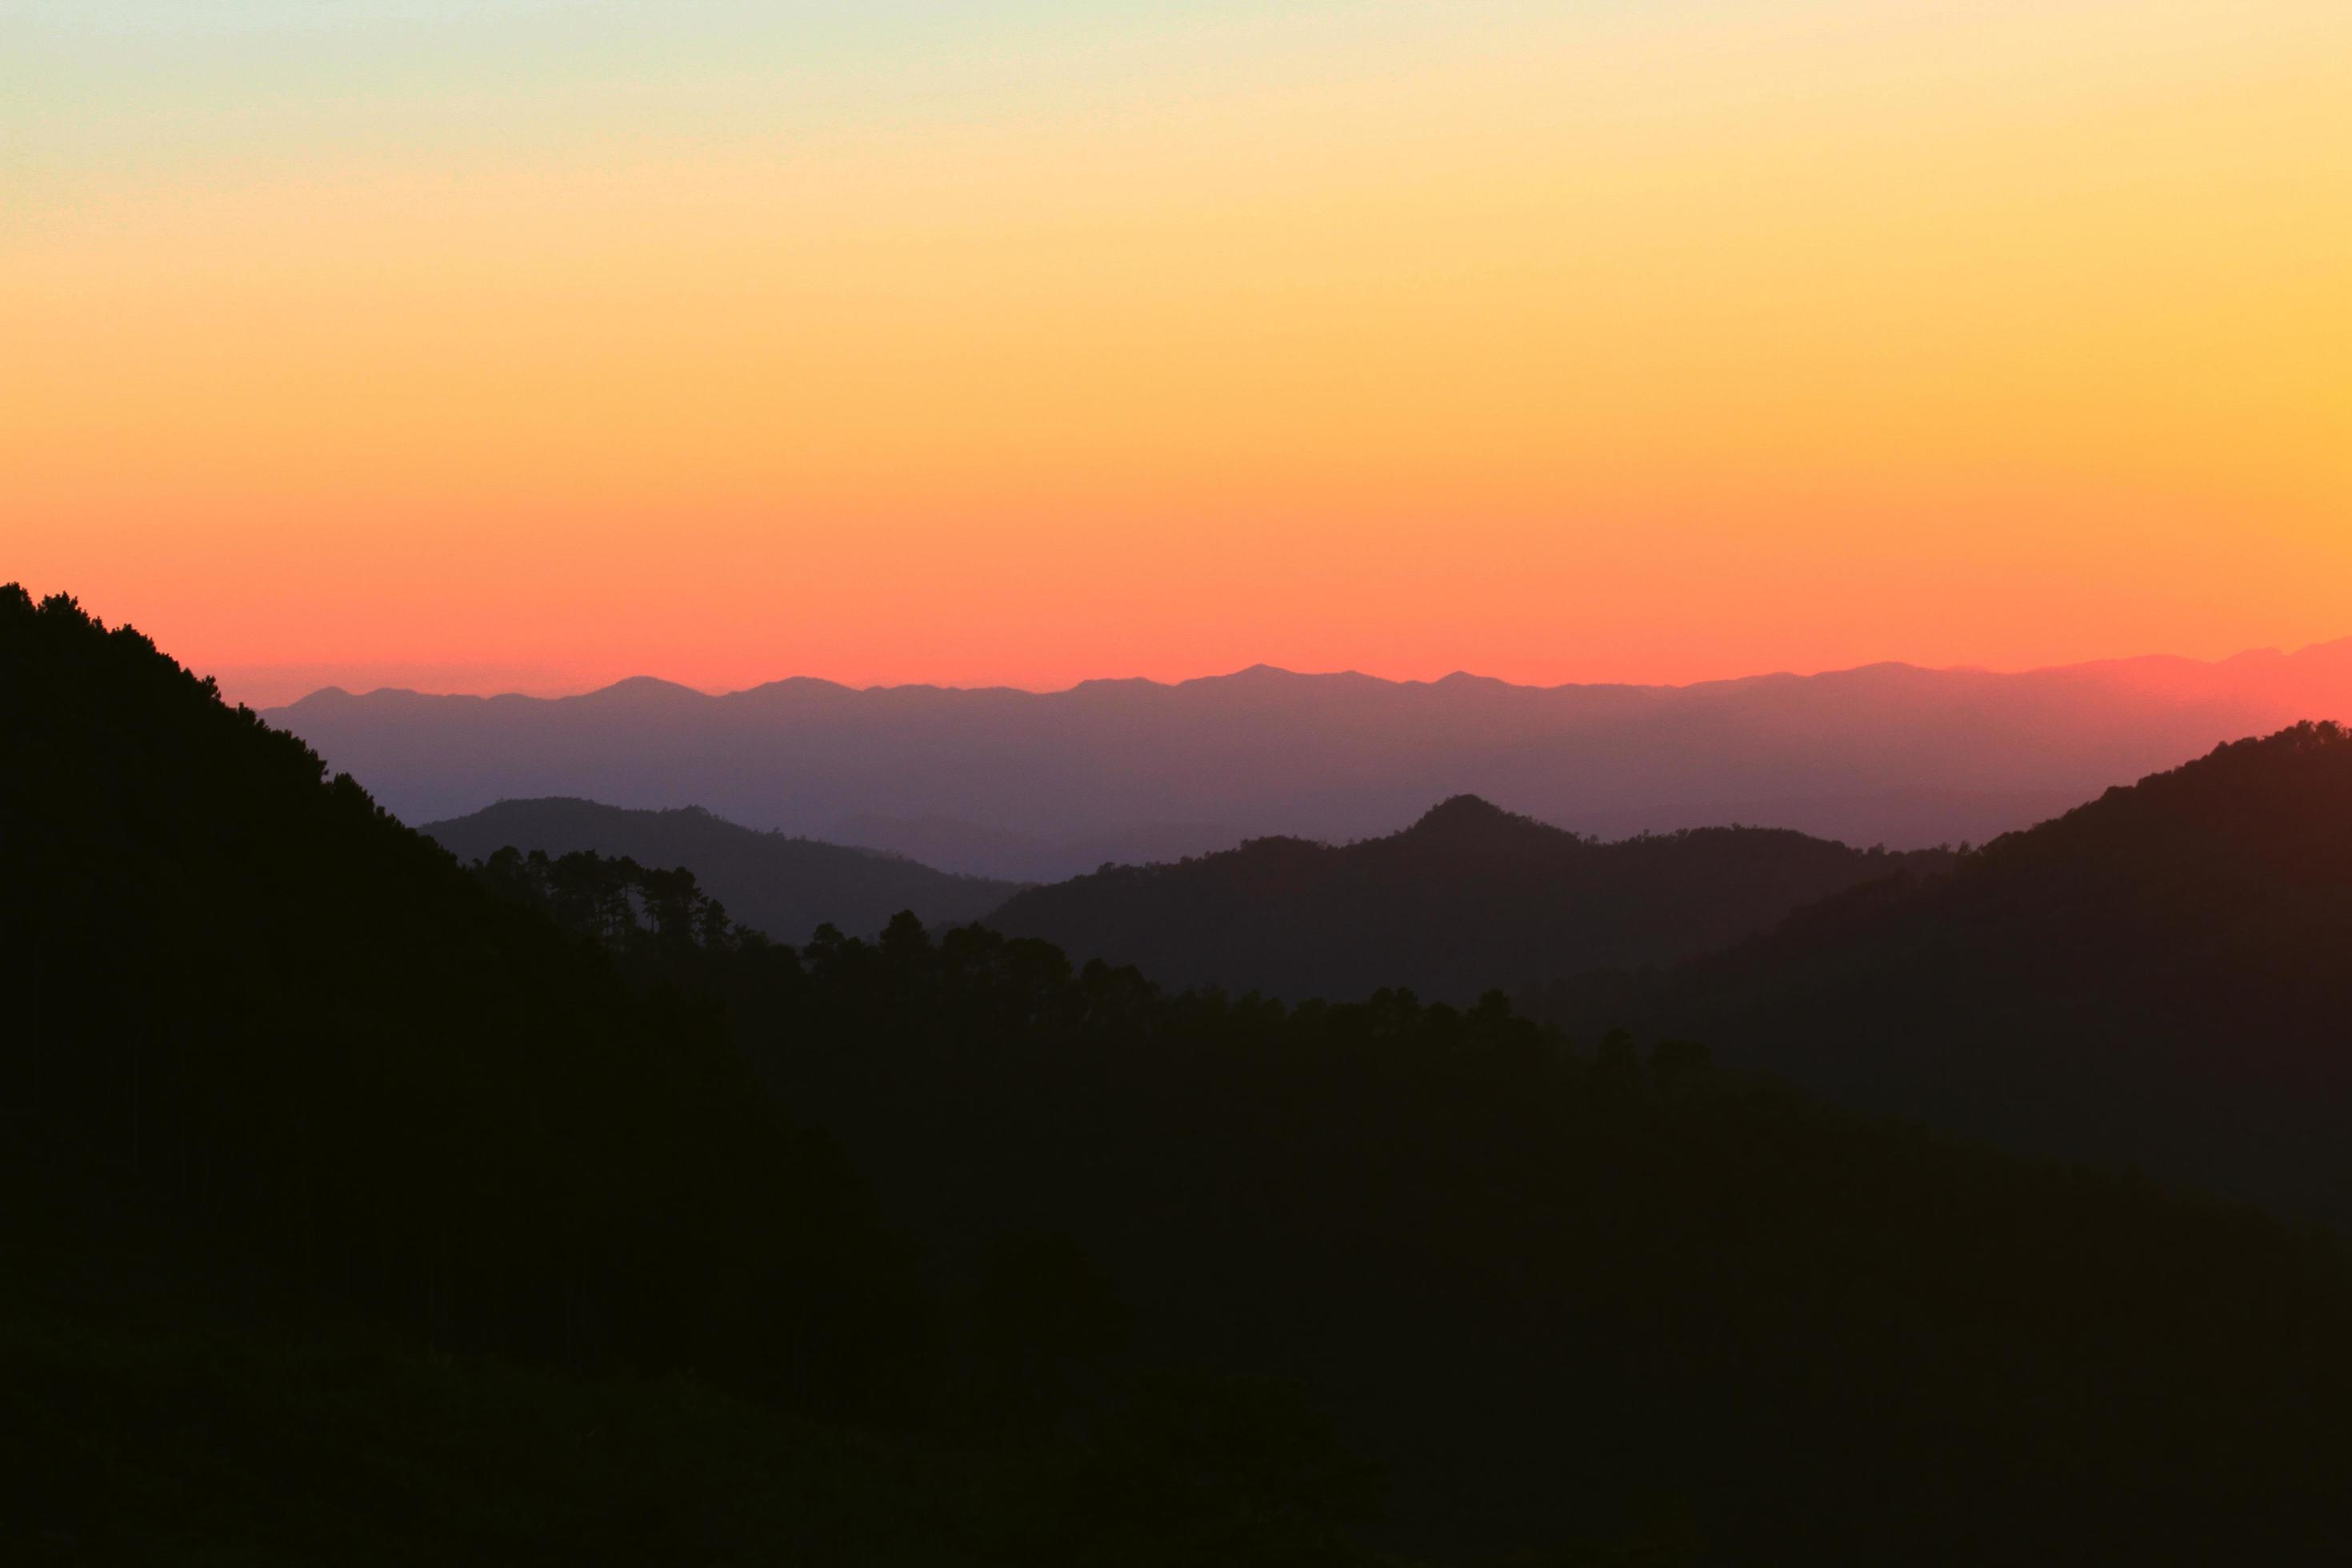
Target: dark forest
[{"x": 365, "y": 1206}]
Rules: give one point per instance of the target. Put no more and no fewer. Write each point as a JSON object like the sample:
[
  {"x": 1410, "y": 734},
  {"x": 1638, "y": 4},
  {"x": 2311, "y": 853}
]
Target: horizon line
[{"x": 1263, "y": 668}]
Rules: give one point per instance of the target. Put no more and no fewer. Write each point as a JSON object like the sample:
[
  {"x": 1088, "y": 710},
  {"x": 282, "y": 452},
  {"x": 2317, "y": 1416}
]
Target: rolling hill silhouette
[
  {"x": 352, "y": 1210},
  {"x": 269, "y": 1039},
  {"x": 1883, "y": 753},
  {"x": 782, "y": 885},
  {"x": 2157, "y": 977},
  {"x": 1467, "y": 900},
  {"x": 1009, "y": 855}
]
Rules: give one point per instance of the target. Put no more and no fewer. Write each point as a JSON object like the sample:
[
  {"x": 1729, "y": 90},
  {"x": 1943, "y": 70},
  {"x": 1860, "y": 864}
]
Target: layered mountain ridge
[
  {"x": 1034, "y": 786},
  {"x": 539, "y": 1212},
  {"x": 2156, "y": 978},
  {"x": 1469, "y": 899}
]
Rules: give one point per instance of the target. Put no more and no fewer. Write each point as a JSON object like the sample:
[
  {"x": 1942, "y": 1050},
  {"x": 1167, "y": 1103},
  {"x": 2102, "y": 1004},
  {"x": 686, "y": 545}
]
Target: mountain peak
[
  {"x": 1469, "y": 813},
  {"x": 640, "y": 686}
]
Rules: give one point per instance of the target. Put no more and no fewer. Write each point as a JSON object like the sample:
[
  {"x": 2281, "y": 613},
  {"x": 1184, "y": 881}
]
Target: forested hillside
[
  {"x": 776, "y": 884},
  {"x": 297, "y": 1112},
  {"x": 1468, "y": 899},
  {"x": 2159, "y": 977},
  {"x": 351, "y": 1198},
  {"x": 1606, "y": 1295},
  {"x": 269, "y": 1035}
]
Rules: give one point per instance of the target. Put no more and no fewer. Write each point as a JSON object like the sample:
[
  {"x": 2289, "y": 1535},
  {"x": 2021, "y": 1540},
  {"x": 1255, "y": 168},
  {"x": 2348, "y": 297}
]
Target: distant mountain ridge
[
  {"x": 1891, "y": 753},
  {"x": 1469, "y": 899},
  {"x": 784, "y": 886}
]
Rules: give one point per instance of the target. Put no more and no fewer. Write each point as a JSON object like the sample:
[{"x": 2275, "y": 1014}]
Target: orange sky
[{"x": 530, "y": 343}]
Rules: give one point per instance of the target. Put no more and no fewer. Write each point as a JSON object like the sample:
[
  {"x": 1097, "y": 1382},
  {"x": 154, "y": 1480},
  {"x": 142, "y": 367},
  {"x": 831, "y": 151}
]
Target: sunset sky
[{"x": 486, "y": 345}]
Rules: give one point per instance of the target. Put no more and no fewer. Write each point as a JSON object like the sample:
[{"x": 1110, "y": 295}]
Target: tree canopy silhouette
[
  {"x": 1574, "y": 1299},
  {"x": 354, "y": 1198},
  {"x": 264, "y": 1031},
  {"x": 784, "y": 886}
]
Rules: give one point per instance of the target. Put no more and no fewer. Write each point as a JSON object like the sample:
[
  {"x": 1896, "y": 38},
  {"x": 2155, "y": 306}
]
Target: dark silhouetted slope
[
  {"x": 352, "y": 1212},
  {"x": 1469, "y": 899},
  {"x": 2160, "y": 976},
  {"x": 1885, "y": 753},
  {"x": 264, "y": 1040},
  {"x": 1579, "y": 1303},
  {"x": 312, "y": 1136},
  {"x": 784, "y": 886}
]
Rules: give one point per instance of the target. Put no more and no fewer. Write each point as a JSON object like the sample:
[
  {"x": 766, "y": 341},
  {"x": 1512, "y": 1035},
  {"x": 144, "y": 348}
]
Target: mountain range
[
  {"x": 2153, "y": 979},
  {"x": 363, "y": 1207},
  {"x": 1037, "y": 787}
]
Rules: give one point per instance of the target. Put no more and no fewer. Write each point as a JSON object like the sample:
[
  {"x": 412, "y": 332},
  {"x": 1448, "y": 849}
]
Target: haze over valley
[{"x": 1040, "y": 787}]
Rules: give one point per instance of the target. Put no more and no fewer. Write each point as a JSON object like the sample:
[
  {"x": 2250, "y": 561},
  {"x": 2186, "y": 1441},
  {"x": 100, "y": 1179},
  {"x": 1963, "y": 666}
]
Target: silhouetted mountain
[
  {"x": 347, "y": 1203},
  {"x": 1000, "y": 852},
  {"x": 352, "y": 1212},
  {"x": 1888, "y": 753},
  {"x": 782, "y": 885},
  {"x": 1597, "y": 1307},
  {"x": 263, "y": 1033},
  {"x": 1468, "y": 899},
  {"x": 2160, "y": 977}
]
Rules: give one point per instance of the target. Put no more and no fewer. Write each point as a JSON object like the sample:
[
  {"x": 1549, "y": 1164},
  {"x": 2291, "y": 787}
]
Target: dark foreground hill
[
  {"x": 1606, "y": 1305},
  {"x": 2160, "y": 977},
  {"x": 353, "y": 1212},
  {"x": 784, "y": 886},
  {"x": 1469, "y": 899},
  {"x": 264, "y": 1032},
  {"x": 1038, "y": 785}
]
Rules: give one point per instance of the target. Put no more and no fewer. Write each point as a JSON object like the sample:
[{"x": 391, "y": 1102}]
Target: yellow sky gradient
[{"x": 1557, "y": 342}]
